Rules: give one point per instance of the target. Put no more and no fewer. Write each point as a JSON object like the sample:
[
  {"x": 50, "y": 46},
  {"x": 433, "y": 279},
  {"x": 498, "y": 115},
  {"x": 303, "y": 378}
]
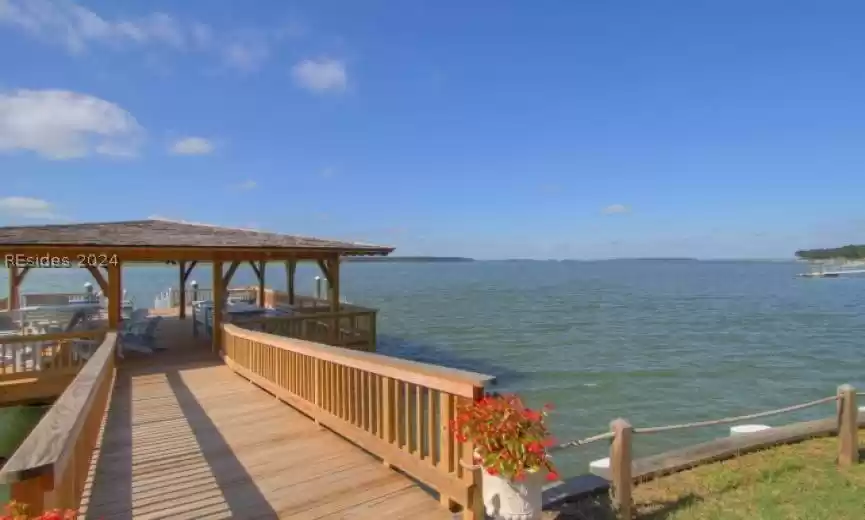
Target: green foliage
[{"x": 848, "y": 252}]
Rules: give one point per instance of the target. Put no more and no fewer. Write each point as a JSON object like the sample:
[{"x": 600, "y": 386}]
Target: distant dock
[{"x": 835, "y": 272}]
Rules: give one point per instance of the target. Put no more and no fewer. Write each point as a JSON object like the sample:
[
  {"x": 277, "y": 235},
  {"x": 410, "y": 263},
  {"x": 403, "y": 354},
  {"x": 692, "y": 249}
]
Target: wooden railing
[
  {"x": 46, "y": 354},
  {"x": 50, "y": 467},
  {"x": 194, "y": 295},
  {"x": 350, "y": 329},
  {"x": 395, "y": 409},
  {"x": 34, "y": 299}
]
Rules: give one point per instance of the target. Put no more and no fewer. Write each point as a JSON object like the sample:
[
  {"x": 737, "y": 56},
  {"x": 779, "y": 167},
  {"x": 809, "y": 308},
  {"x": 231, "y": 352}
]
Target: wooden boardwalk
[{"x": 185, "y": 437}]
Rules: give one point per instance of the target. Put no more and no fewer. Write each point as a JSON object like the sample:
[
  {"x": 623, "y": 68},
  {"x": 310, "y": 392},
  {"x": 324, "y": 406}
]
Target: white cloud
[
  {"x": 26, "y": 207},
  {"x": 59, "y": 124},
  {"x": 321, "y": 75},
  {"x": 246, "y": 55},
  {"x": 192, "y": 146},
  {"x": 246, "y": 185},
  {"x": 202, "y": 35},
  {"x": 615, "y": 209},
  {"x": 77, "y": 27}
]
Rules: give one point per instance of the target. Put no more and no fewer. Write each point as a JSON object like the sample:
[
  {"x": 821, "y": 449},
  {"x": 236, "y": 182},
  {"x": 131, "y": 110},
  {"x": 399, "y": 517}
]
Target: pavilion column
[
  {"x": 290, "y": 269},
  {"x": 115, "y": 295},
  {"x": 333, "y": 282},
  {"x": 182, "y": 290},
  {"x": 218, "y": 305}
]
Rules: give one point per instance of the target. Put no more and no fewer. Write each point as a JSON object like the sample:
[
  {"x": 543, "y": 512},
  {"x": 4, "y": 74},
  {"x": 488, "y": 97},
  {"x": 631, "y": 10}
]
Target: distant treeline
[
  {"x": 849, "y": 252},
  {"x": 409, "y": 259}
]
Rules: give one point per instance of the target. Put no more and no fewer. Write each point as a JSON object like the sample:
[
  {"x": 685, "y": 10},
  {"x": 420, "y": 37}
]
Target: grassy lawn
[{"x": 799, "y": 481}]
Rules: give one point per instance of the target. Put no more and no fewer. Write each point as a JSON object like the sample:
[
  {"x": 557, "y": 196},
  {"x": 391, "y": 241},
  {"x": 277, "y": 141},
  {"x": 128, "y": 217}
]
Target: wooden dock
[{"x": 186, "y": 437}]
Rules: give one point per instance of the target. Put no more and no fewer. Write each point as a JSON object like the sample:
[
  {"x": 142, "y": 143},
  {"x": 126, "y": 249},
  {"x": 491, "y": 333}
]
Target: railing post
[
  {"x": 388, "y": 412},
  {"x": 848, "y": 426},
  {"x": 31, "y": 492},
  {"x": 474, "y": 510},
  {"x": 317, "y": 378},
  {"x": 620, "y": 467},
  {"x": 372, "y": 332}
]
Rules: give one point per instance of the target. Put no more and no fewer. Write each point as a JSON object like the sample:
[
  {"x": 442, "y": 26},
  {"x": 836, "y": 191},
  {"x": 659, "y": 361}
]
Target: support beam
[
  {"x": 219, "y": 284},
  {"x": 325, "y": 269},
  {"x": 229, "y": 275},
  {"x": 14, "y": 296},
  {"x": 290, "y": 270},
  {"x": 99, "y": 277},
  {"x": 16, "y": 276},
  {"x": 260, "y": 271},
  {"x": 114, "y": 292},
  {"x": 185, "y": 271},
  {"x": 255, "y": 269},
  {"x": 189, "y": 269}
]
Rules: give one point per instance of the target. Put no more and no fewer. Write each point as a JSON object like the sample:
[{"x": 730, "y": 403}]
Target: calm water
[{"x": 655, "y": 342}]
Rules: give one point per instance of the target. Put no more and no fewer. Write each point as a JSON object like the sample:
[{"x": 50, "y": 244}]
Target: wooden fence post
[
  {"x": 620, "y": 467},
  {"x": 848, "y": 426}
]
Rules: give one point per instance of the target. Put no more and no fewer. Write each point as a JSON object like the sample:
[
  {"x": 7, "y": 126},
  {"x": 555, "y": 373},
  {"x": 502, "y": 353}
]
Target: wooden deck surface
[{"x": 185, "y": 437}]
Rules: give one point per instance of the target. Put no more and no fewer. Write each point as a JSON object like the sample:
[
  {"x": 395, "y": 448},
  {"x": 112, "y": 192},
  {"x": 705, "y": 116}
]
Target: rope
[
  {"x": 727, "y": 420},
  {"x": 669, "y": 427},
  {"x": 580, "y": 442}
]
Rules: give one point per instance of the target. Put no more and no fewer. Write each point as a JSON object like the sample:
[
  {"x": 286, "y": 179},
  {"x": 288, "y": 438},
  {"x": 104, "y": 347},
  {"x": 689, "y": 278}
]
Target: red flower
[
  {"x": 552, "y": 476},
  {"x": 509, "y": 439}
]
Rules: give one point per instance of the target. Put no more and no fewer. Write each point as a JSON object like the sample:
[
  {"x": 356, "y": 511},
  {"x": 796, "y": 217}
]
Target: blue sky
[{"x": 488, "y": 129}]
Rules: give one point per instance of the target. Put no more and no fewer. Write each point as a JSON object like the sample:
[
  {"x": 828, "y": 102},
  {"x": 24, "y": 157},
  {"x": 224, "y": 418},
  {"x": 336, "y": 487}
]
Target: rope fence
[
  {"x": 699, "y": 424},
  {"x": 739, "y": 418},
  {"x": 621, "y": 433}
]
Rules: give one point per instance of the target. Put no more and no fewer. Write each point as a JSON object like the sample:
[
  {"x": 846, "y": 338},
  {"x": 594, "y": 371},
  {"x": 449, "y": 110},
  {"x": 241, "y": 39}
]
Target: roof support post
[
  {"x": 114, "y": 293},
  {"x": 218, "y": 306},
  {"x": 333, "y": 283},
  {"x": 182, "y": 285},
  {"x": 290, "y": 269}
]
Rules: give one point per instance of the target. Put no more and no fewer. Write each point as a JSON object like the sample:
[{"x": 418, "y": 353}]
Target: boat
[{"x": 834, "y": 269}]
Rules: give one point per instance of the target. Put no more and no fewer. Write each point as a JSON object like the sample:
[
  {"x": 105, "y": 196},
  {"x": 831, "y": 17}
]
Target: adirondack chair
[{"x": 140, "y": 336}]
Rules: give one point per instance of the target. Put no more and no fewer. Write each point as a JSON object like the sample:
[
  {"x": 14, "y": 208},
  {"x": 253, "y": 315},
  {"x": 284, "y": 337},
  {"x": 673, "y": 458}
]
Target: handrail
[
  {"x": 55, "y": 457},
  {"x": 451, "y": 380},
  {"x": 395, "y": 409},
  {"x": 352, "y": 329},
  {"x": 45, "y": 355},
  {"x": 75, "y": 334},
  {"x": 48, "y": 447}
]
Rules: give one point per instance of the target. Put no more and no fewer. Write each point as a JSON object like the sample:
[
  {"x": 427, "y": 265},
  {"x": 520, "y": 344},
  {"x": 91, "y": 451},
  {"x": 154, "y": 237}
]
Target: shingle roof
[{"x": 171, "y": 234}]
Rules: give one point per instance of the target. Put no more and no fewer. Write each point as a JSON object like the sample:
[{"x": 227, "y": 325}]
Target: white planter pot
[{"x": 509, "y": 500}]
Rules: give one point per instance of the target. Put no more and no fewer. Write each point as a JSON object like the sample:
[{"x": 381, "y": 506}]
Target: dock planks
[{"x": 185, "y": 437}]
